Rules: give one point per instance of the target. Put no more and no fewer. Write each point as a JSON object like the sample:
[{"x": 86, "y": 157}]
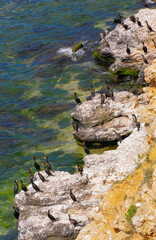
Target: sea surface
[{"x": 38, "y": 75}]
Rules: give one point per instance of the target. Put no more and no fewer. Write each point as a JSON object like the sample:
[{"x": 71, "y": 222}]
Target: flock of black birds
[
  {"x": 118, "y": 20},
  {"x": 48, "y": 170},
  {"x": 104, "y": 93}
]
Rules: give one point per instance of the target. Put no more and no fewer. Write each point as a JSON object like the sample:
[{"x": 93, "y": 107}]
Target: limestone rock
[
  {"x": 119, "y": 38},
  {"x": 96, "y": 122},
  {"x": 100, "y": 172}
]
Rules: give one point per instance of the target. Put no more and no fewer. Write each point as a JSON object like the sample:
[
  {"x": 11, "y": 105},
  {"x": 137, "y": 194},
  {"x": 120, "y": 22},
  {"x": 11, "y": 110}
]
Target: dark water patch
[
  {"x": 12, "y": 235},
  {"x": 30, "y": 50},
  {"x": 53, "y": 110}
]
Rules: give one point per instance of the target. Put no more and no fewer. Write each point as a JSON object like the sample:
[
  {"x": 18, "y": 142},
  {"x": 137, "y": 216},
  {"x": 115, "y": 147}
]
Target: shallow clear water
[{"x": 38, "y": 74}]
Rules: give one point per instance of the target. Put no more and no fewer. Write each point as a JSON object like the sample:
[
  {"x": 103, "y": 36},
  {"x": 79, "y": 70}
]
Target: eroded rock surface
[
  {"x": 96, "y": 122},
  {"x": 100, "y": 172},
  {"x": 133, "y": 36}
]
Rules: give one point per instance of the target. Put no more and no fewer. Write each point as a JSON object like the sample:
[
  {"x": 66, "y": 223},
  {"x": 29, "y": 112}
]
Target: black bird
[
  {"x": 72, "y": 196},
  {"x": 73, "y": 221},
  {"x": 128, "y": 50},
  {"x": 154, "y": 43},
  {"x": 144, "y": 3},
  {"x": 47, "y": 170},
  {"x": 80, "y": 169},
  {"x": 16, "y": 212},
  {"x": 77, "y": 100},
  {"x": 125, "y": 26},
  {"x": 16, "y": 187},
  {"x": 47, "y": 163},
  {"x": 133, "y": 19},
  {"x": 24, "y": 188},
  {"x": 52, "y": 218},
  {"x": 136, "y": 122},
  {"x": 92, "y": 91},
  {"x": 149, "y": 27},
  {"x": 139, "y": 23},
  {"x": 86, "y": 149},
  {"x": 41, "y": 177},
  {"x": 36, "y": 165},
  {"x": 37, "y": 189},
  {"x": 109, "y": 92},
  {"x": 31, "y": 176},
  {"x": 144, "y": 48},
  {"x": 118, "y": 136},
  {"x": 102, "y": 98},
  {"x": 106, "y": 31},
  {"x": 144, "y": 59},
  {"x": 118, "y": 19}
]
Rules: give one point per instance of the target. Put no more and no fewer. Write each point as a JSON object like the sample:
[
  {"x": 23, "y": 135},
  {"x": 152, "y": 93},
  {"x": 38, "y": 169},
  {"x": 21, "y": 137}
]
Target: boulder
[
  {"x": 96, "y": 122},
  {"x": 115, "y": 44}
]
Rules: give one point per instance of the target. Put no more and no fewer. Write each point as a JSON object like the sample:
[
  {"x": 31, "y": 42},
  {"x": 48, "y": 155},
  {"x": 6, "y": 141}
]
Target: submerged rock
[
  {"x": 77, "y": 47},
  {"x": 96, "y": 122},
  {"x": 134, "y": 36}
]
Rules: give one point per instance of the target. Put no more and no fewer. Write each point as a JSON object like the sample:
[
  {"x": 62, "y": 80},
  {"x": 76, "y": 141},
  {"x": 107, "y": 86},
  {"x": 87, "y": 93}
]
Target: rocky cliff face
[
  {"x": 128, "y": 210},
  {"x": 118, "y": 210},
  {"x": 115, "y": 44}
]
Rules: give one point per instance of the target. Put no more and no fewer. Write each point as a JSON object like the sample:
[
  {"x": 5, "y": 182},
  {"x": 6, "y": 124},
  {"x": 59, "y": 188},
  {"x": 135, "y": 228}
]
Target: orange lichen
[{"x": 138, "y": 189}]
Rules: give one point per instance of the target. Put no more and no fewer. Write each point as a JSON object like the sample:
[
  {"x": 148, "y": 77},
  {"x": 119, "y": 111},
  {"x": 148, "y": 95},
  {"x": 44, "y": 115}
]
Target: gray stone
[
  {"x": 119, "y": 38},
  {"x": 96, "y": 122}
]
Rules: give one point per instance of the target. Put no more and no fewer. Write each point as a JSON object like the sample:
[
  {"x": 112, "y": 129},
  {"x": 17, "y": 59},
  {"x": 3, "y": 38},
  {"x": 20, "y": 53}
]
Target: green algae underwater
[{"x": 39, "y": 74}]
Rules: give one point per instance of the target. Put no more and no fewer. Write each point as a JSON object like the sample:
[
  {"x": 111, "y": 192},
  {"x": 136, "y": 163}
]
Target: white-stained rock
[
  {"x": 100, "y": 172},
  {"x": 96, "y": 122}
]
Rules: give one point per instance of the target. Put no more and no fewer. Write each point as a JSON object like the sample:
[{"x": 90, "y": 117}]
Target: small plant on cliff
[
  {"x": 130, "y": 213},
  {"x": 148, "y": 177}
]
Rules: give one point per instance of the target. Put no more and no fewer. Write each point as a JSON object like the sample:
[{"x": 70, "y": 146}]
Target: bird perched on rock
[
  {"x": 109, "y": 92},
  {"x": 47, "y": 170},
  {"x": 80, "y": 169},
  {"x": 102, "y": 98},
  {"x": 133, "y": 19},
  {"x": 118, "y": 19},
  {"x": 154, "y": 43},
  {"x": 37, "y": 189},
  {"x": 106, "y": 31},
  {"x": 139, "y": 23},
  {"x": 125, "y": 26},
  {"x": 16, "y": 211},
  {"x": 149, "y": 27},
  {"x": 72, "y": 196},
  {"x": 41, "y": 177},
  {"x": 77, "y": 100},
  {"x": 118, "y": 136},
  {"x": 47, "y": 163},
  {"x": 15, "y": 187},
  {"x": 101, "y": 37},
  {"x": 128, "y": 50},
  {"x": 24, "y": 188},
  {"x": 144, "y": 3},
  {"x": 136, "y": 122},
  {"x": 92, "y": 91},
  {"x": 144, "y": 59},
  {"x": 144, "y": 47},
  {"x": 86, "y": 149},
  {"x": 73, "y": 221},
  {"x": 51, "y": 217},
  {"x": 31, "y": 176},
  {"x": 36, "y": 165}
]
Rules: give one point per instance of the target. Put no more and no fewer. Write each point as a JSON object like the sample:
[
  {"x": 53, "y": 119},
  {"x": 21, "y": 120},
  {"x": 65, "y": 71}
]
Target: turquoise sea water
[{"x": 38, "y": 74}]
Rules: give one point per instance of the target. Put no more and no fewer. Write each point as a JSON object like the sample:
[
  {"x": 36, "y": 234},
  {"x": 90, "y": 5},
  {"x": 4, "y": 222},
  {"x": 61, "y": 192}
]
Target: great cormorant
[
  {"x": 80, "y": 169},
  {"x": 77, "y": 100},
  {"x": 72, "y": 196},
  {"x": 149, "y": 27},
  {"x": 24, "y": 188},
  {"x": 36, "y": 165},
  {"x": 16, "y": 187}
]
